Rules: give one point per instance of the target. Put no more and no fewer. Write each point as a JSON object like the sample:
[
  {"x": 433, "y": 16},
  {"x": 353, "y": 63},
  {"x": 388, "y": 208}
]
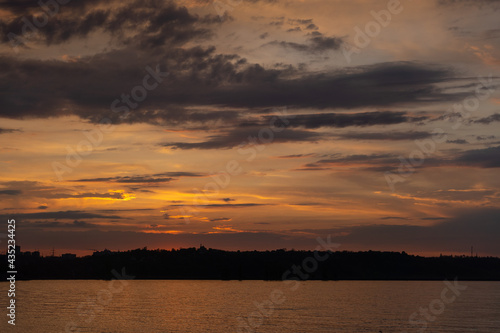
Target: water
[{"x": 215, "y": 306}]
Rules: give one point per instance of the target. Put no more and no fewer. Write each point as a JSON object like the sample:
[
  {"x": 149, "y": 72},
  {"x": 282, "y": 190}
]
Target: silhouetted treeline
[{"x": 205, "y": 263}]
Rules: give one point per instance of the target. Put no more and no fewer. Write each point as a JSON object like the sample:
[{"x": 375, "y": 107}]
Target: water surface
[{"x": 233, "y": 306}]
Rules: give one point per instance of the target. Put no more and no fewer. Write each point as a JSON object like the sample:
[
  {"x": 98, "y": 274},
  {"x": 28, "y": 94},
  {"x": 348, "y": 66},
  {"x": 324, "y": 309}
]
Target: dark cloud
[
  {"x": 149, "y": 23},
  {"x": 458, "y": 141},
  {"x": 314, "y": 44},
  {"x": 10, "y": 192},
  {"x": 43, "y": 207},
  {"x": 312, "y": 26},
  {"x": 239, "y": 137},
  {"x": 221, "y": 219},
  {"x": 164, "y": 177},
  {"x": 228, "y": 199},
  {"x": 488, "y": 120},
  {"x": 483, "y": 158},
  {"x": 24, "y": 7},
  {"x": 243, "y": 205},
  {"x": 112, "y": 195},
  {"x": 55, "y": 224},
  {"x": 342, "y": 120},
  {"x": 321, "y": 43},
  {"x": 373, "y": 160},
  {"x": 199, "y": 77},
  {"x": 476, "y": 3},
  {"x": 300, "y": 21},
  {"x": 296, "y": 156},
  {"x": 63, "y": 215},
  {"x": 8, "y": 130},
  {"x": 391, "y": 136},
  {"x": 485, "y": 137},
  {"x": 377, "y": 86}
]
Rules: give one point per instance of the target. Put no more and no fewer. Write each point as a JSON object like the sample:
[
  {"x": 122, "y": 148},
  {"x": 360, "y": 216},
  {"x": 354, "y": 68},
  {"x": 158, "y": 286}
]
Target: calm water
[{"x": 215, "y": 306}]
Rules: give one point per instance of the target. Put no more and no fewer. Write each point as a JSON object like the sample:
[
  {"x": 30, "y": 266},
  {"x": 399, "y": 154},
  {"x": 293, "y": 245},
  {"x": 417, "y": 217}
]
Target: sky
[{"x": 251, "y": 124}]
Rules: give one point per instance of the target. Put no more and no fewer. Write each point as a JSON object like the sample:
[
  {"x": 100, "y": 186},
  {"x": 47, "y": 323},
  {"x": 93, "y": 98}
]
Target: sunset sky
[{"x": 251, "y": 124}]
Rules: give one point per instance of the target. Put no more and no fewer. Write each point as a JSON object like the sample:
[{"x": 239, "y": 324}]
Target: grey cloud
[
  {"x": 221, "y": 219},
  {"x": 484, "y": 158},
  {"x": 488, "y": 120},
  {"x": 152, "y": 22},
  {"x": 476, "y": 3},
  {"x": 8, "y": 130},
  {"x": 314, "y": 44},
  {"x": 458, "y": 141},
  {"x": 239, "y": 138},
  {"x": 228, "y": 205},
  {"x": 199, "y": 77},
  {"x": 10, "y": 192},
  {"x": 342, "y": 120},
  {"x": 377, "y": 162},
  {"x": 163, "y": 177},
  {"x": 296, "y": 156},
  {"x": 63, "y": 215},
  {"x": 485, "y": 137},
  {"x": 391, "y": 136}
]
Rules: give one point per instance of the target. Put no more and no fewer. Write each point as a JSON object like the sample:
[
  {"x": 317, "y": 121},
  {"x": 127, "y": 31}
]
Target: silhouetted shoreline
[{"x": 212, "y": 264}]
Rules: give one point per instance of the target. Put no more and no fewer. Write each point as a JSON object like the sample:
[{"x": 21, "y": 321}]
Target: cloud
[
  {"x": 109, "y": 195},
  {"x": 8, "y": 130},
  {"x": 295, "y": 156},
  {"x": 149, "y": 23},
  {"x": 312, "y": 26},
  {"x": 458, "y": 141},
  {"x": 55, "y": 224},
  {"x": 483, "y": 158},
  {"x": 10, "y": 192},
  {"x": 239, "y": 138},
  {"x": 476, "y": 3},
  {"x": 485, "y": 137},
  {"x": 315, "y": 44},
  {"x": 63, "y": 215},
  {"x": 391, "y": 136},
  {"x": 163, "y": 177},
  {"x": 242, "y": 205},
  {"x": 477, "y": 227},
  {"x": 488, "y": 120},
  {"x": 361, "y": 160},
  {"x": 200, "y": 77},
  {"x": 221, "y": 219}
]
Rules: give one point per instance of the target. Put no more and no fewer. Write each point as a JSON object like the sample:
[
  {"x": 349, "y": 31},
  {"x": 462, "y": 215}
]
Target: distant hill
[{"x": 202, "y": 263}]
